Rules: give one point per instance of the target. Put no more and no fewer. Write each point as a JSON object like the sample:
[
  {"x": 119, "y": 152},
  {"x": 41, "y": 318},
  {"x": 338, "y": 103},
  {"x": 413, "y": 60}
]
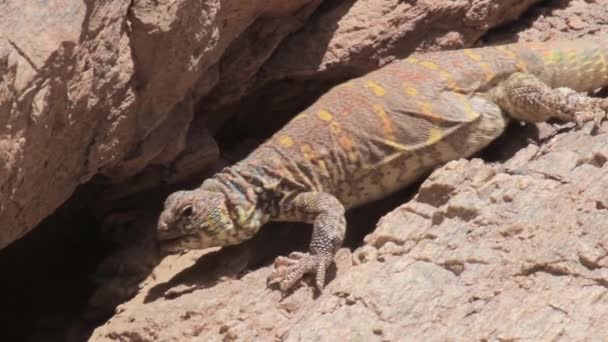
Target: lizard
[{"x": 373, "y": 135}]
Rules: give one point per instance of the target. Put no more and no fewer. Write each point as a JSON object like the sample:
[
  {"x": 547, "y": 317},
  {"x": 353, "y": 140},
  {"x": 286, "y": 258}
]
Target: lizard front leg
[
  {"x": 525, "y": 97},
  {"x": 326, "y": 214}
]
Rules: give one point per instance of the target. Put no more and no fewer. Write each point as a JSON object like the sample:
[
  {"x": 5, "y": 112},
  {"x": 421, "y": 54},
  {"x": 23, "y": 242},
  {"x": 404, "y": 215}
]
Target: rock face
[
  {"x": 482, "y": 252},
  {"x": 133, "y": 92},
  {"x": 107, "y": 88},
  {"x": 111, "y": 88},
  {"x": 510, "y": 249}
]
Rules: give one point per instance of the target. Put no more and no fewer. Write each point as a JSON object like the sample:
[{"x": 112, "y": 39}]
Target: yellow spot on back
[
  {"x": 468, "y": 109},
  {"x": 507, "y": 52},
  {"x": 377, "y": 89},
  {"x": 426, "y": 108},
  {"x": 411, "y": 91},
  {"x": 435, "y": 134},
  {"x": 305, "y": 148},
  {"x": 285, "y": 141},
  {"x": 308, "y": 152},
  {"x": 474, "y": 56},
  {"x": 386, "y": 122},
  {"x": 553, "y": 56},
  {"x": 324, "y": 115},
  {"x": 521, "y": 66},
  {"x": 412, "y": 60},
  {"x": 487, "y": 69},
  {"x": 444, "y": 74},
  {"x": 335, "y": 128},
  {"x": 449, "y": 80},
  {"x": 429, "y": 65}
]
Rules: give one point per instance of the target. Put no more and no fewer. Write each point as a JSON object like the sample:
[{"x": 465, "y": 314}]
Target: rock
[
  {"x": 456, "y": 263},
  {"x": 526, "y": 235},
  {"x": 135, "y": 93},
  {"x": 504, "y": 250},
  {"x": 107, "y": 89}
]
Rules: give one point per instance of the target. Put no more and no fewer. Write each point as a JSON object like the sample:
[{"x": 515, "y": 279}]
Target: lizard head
[{"x": 195, "y": 219}]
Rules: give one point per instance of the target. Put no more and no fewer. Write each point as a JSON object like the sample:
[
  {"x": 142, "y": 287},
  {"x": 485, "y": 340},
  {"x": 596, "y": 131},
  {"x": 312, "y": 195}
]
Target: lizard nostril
[{"x": 162, "y": 226}]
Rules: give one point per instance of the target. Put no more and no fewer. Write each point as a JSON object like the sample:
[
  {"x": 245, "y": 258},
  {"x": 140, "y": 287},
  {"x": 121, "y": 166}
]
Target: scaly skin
[{"x": 377, "y": 134}]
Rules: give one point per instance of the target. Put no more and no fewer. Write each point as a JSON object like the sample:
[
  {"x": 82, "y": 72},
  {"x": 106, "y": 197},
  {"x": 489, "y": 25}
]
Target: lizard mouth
[
  {"x": 172, "y": 236},
  {"x": 178, "y": 243},
  {"x": 173, "y": 243}
]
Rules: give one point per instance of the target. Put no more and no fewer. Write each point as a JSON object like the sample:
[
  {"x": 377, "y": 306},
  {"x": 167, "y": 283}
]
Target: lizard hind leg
[
  {"x": 527, "y": 98},
  {"x": 329, "y": 227}
]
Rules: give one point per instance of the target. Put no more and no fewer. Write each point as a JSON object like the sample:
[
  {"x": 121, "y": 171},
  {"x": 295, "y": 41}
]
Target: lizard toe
[
  {"x": 582, "y": 117},
  {"x": 596, "y": 111},
  {"x": 282, "y": 262},
  {"x": 298, "y": 255},
  {"x": 288, "y": 271},
  {"x": 293, "y": 259}
]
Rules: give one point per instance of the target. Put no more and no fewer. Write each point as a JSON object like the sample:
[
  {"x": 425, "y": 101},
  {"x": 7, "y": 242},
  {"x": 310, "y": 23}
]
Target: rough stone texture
[
  {"x": 108, "y": 87},
  {"x": 346, "y": 39},
  {"x": 111, "y": 89},
  {"x": 515, "y": 249}
]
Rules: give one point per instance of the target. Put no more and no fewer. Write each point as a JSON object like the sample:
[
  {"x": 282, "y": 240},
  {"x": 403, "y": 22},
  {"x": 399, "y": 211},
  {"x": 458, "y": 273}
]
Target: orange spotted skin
[{"x": 378, "y": 133}]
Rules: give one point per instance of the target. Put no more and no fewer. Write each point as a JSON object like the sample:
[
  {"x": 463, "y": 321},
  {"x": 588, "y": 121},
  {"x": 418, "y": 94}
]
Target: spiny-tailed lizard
[{"x": 376, "y": 134}]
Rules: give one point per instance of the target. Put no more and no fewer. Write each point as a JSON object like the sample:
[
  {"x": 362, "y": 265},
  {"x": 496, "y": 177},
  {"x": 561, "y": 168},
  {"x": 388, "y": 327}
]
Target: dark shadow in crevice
[
  {"x": 515, "y": 138},
  {"x": 45, "y": 275}
]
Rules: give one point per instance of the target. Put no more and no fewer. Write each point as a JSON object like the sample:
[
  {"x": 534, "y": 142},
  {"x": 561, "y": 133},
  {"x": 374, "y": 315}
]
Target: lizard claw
[
  {"x": 581, "y": 118},
  {"x": 597, "y": 112},
  {"x": 291, "y": 260},
  {"x": 290, "y": 270}
]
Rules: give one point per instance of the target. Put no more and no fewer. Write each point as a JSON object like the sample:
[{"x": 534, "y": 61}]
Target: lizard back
[{"x": 378, "y": 133}]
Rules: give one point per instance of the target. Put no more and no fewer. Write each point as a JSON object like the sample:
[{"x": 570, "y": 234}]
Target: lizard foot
[
  {"x": 597, "y": 113},
  {"x": 288, "y": 270},
  {"x": 587, "y": 108}
]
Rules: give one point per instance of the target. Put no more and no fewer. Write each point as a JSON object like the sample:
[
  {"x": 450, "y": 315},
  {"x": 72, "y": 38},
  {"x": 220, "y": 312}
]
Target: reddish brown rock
[
  {"x": 506, "y": 250},
  {"x": 134, "y": 91},
  {"x": 481, "y": 252},
  {"x": 108, "y": 88}
]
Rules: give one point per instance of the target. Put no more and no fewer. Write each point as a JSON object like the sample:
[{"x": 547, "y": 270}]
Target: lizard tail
[{"x": 579, "y": 64}]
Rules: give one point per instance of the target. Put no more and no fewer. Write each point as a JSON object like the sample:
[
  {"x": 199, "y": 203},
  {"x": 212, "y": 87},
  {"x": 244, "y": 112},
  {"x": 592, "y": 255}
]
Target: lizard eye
[{"x": 187, "y": 211}]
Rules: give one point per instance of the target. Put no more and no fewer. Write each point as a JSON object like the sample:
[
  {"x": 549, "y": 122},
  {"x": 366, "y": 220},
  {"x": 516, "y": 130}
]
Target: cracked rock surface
[
  {"x": 484, "y": 251},
  {"x": 513, "y": 247},
  {"x": 130, "y": 93},
  {"x": 107, "y": 89},
  {"x": 508, "y": 246}
]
